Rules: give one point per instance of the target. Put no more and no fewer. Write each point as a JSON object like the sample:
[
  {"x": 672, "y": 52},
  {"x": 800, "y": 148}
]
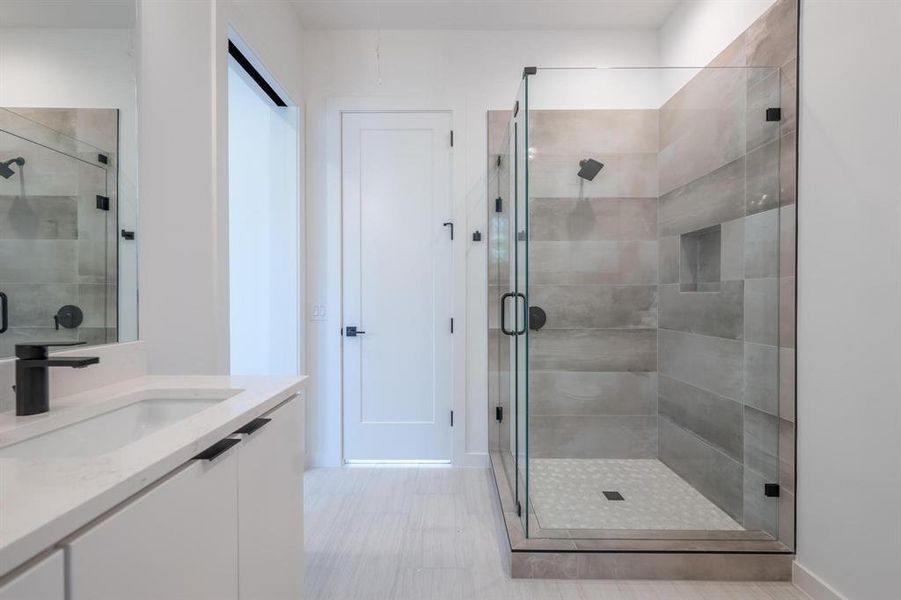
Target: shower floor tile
[{"x": 569, "y": 494}]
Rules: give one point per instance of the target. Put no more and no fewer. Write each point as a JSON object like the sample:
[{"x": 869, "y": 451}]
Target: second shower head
[
  {"x": 6, "y": 171},
  {"x": 589, "y": 168}
]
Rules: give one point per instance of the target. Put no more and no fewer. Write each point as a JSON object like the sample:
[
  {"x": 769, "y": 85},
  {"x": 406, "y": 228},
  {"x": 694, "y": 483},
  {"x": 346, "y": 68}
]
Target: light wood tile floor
[{"x": 432, "y": 534}]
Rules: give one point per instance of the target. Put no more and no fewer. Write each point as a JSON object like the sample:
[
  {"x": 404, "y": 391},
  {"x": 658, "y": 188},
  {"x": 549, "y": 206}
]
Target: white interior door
[{"x": 397, "y": 286}]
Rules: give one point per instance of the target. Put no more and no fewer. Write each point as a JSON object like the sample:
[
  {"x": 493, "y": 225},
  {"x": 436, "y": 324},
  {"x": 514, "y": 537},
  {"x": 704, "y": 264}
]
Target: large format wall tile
[
  {"x": 702, "y": 127},
  {"x": 589, "y": 393},
  {"x": 623, "y": 176},
  {"x": 707, "y": 313},
  {"x": 759, "y": 512},
  {"x": 711, "y": 363},
  {"x": 592, "y": 219},
  {"x": 35, "y": 304},
  {"x": 732, "y": 252},
  {"x": 715, "y": 419},
  {"x": 761, "y": 443},
  {"x": 763, "y": 93},
  {"x": 714, "y": 198},
  {"x": 772, "y": 40},
  {"x": 761, "y": 378},
  {"x": 596, "y": 306},
  {"x": 762, "y": 311},
  {"x": 707, "y": 469},
  {"x": 593, "y": 350},
  {"x": 669, "y": 258},
  {"x": 586, "y": 436},
  {"x": 763, "y": 177},
  {"x": 762, "y": 244},
  {"x": 38, "y": 217},
  {"x": 39, "y": 261},
  {"x": 593, "y": 262},
  {"x": 589, "y": 132}
]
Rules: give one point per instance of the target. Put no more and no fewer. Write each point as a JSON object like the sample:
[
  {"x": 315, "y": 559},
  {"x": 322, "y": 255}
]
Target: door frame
[{"x": 335, "y": 109}]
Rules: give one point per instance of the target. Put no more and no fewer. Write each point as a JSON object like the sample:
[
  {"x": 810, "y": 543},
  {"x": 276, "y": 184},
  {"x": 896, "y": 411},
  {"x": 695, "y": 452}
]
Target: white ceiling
[
  {"x": 484, "y": 14},
  {"x": 77, "y": 14}
]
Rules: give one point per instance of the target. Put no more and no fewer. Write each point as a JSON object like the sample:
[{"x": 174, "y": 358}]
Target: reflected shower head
[
  {"x": 589, "y": 168},
  {"x": 5, "y": 171}
]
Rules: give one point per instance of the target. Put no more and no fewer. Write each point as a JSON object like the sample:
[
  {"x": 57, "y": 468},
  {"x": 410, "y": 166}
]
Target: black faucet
[{"x": 32, "y": 376}]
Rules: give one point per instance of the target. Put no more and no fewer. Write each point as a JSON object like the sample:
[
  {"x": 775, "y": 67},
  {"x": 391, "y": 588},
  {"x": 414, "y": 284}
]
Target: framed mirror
[{"x": 68, "y": 172}]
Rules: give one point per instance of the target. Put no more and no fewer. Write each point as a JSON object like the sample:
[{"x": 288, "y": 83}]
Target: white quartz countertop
[{"x": 42, "y": 501}]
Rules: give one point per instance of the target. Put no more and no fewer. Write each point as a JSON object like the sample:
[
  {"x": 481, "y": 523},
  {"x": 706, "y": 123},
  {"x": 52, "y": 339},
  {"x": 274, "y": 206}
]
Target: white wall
[
  {"x": 468, "y": 73},
  {"x": 698, "y": 30},
  {"x": 184, "y": 156},
  {"x": 84, "y": 68},
  {"x": 849, "y": 286}
]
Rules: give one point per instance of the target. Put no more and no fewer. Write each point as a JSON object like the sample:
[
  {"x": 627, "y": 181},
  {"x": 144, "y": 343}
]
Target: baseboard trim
[{"x": 812, "y": 585}]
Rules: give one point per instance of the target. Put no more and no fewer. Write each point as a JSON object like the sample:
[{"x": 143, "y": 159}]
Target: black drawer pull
[
  {"x": 253, "y": 426},
  {"x": 216, "y": 449}
]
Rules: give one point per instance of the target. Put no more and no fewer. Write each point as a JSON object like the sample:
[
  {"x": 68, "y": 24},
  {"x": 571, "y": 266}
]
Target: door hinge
[
  {"x": 452, "y": 138},
  {"x": 452, "y": 418},
  {"x": 498, "y": 160},
  {"x": 498, "y": 204},
  {"x": 518, "y": 509},
  {"x": 452, "y": 324},
  {"x": 499, "y": 414},
  {"x": 771, "y": 490},
  {"x": 103, "y": 158},
  {"x": 774, "y": 114},
  {"x": 102, "y": 202}
]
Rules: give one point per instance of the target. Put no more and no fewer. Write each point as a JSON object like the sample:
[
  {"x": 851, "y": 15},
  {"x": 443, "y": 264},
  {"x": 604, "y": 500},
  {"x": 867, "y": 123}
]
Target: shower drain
[{"x": 613, "y": 496}]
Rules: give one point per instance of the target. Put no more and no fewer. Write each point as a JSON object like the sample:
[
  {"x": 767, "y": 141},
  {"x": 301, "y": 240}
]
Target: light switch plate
[{"x": 318, "y": 312}]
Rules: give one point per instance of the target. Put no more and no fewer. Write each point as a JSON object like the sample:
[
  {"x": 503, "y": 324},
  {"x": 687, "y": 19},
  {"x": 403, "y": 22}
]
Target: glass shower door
[{"x": 57, "y": 244}]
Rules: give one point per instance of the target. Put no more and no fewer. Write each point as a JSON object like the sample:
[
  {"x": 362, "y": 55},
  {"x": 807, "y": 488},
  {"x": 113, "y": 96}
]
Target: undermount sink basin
[{"x": 114, "y": 429}]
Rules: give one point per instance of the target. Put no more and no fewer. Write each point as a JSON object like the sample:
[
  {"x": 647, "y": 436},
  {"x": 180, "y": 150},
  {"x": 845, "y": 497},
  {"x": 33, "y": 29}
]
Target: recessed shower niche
[{"x": 700, "y": 252}]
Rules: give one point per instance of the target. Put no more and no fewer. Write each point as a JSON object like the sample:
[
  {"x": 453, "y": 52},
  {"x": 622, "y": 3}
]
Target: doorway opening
[{"x": 263, "y": 224}]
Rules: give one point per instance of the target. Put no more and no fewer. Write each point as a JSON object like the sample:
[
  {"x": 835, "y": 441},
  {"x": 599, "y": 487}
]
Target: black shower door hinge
[
  {"x": 499, "y": 414},
  {"x": 498, "y": 160},
  {"x": 103, "y": 158},
  {"x": 452, "y": 324},
  {"x": 774, "y": 114},
  {"x": 452, "y": 138},
  {"x": 102, "y": 202},
  {"x": 452, "y": 418},
  {"x": 771, "y": 490},
  {"x": 498, "y": 204}
]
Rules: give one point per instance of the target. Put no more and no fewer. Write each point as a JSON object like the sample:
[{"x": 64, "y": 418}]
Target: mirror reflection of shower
[
  {"x": 6, "y": 170},
  {"x": 588, "y": 170}
]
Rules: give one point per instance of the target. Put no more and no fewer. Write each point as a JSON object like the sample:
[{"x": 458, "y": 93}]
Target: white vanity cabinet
[
  {"x": 45, "y": 580},
  {"x": 178, "y": 539},
  {"x": 229, "y": 528},
  {"x": 270, "y": 506}
]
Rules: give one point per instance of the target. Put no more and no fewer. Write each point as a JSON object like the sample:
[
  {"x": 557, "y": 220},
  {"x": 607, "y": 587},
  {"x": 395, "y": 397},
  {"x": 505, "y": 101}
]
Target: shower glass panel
[
  {"x": 643, "y": 314},
  {"x": 58, "y": 238}
]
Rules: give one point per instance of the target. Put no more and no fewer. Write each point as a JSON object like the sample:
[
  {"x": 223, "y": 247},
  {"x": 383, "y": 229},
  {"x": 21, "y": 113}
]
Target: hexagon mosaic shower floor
[{"x": 569, "y": 494}]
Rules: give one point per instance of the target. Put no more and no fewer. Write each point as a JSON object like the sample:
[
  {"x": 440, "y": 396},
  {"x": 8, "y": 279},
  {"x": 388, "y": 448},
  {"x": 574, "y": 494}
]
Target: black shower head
[
  {"x": 589, "y": 168},
  {"x": 5, "y": 171}
]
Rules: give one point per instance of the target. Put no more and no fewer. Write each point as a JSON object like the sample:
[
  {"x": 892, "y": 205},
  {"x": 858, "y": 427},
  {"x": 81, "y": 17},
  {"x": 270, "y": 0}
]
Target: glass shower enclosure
[
  {"x": 58, "y": 227},
  {"x": 641, "y": 304}
]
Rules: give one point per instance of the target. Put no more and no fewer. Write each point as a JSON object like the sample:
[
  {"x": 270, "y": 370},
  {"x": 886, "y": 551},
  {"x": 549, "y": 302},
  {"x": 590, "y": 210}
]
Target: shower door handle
[
  {"x": 524, "y": 313},
  {"x": 4, "y": 313},
  {"x": 504, "y": 329}
]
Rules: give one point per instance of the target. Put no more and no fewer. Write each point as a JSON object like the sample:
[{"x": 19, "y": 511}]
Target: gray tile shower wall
[
  {"x": 726, "y": 359},
  {"x": 56, "y": 247},
  {"x": 593, "y": 268}
]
